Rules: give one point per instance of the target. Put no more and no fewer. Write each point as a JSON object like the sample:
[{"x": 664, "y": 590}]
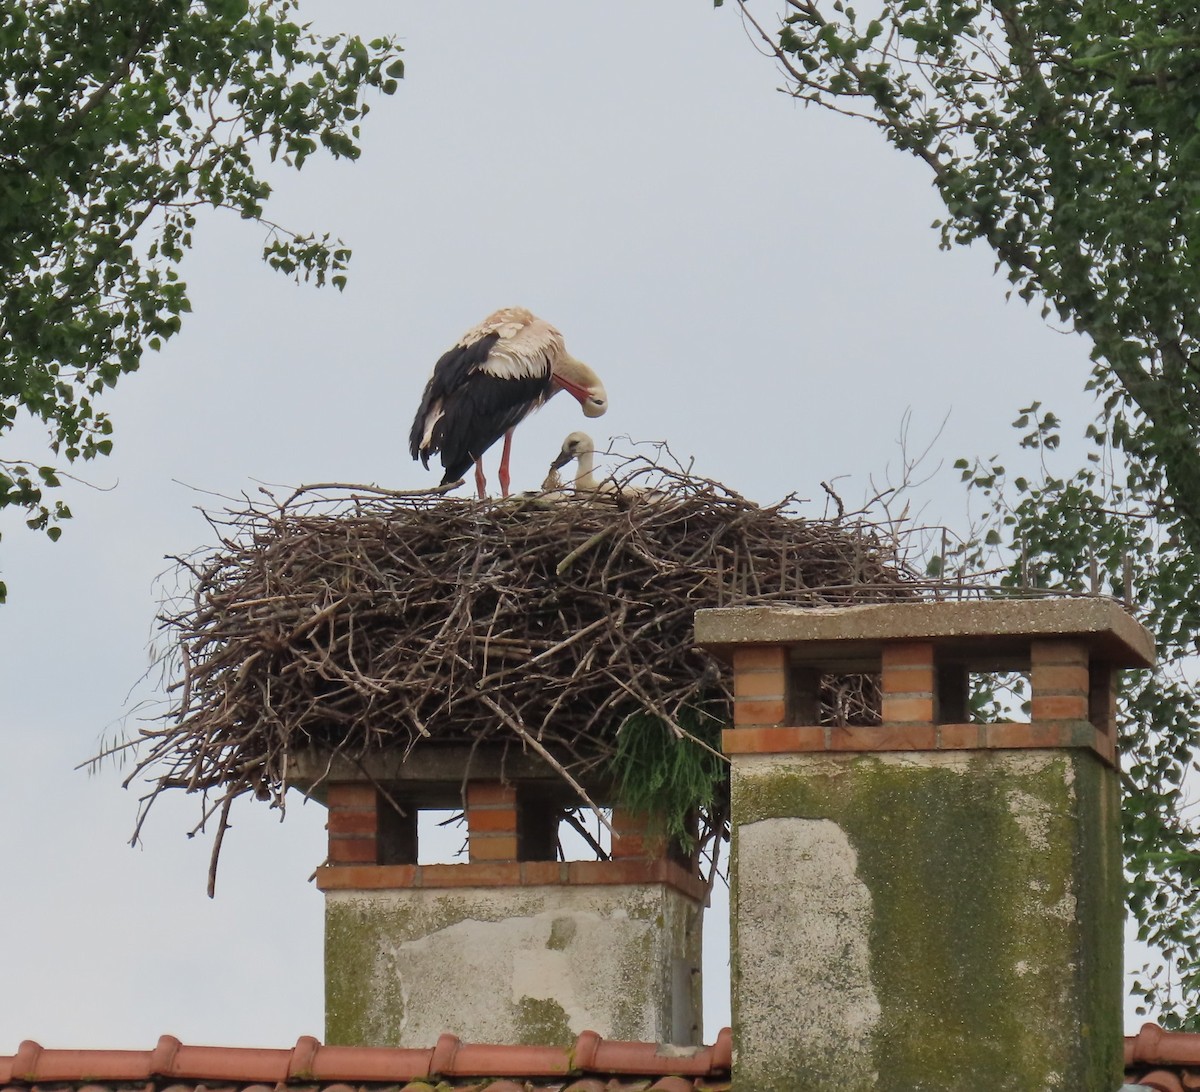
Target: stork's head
[
  {"x": 581, "y": 383},
  {"x": 573, "y": 446}
]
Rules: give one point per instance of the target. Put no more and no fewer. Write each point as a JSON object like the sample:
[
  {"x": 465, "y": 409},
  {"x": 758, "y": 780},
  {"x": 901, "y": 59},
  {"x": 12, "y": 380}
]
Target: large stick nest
[{"x": 357, "y": 619}]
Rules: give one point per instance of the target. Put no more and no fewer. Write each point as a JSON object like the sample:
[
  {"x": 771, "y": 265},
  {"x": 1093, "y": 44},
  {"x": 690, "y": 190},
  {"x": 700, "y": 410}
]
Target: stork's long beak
[
  {"x": 564, "y": 457},
  {"x": 582, "y": 384},
  {"x": 594, "y": 399}
]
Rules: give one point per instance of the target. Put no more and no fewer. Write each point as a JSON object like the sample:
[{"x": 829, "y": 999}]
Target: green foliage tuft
[{"x": 661, "y": 773}]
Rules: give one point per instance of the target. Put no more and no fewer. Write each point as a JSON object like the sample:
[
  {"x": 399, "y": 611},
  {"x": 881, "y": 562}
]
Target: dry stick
[
  {"x": 563, "y": 644},
  {"x": 586, "y": 834},
  {"x": 487, "y": 637},
  {"x": 520, "y": 730},
  {"x": 579, "y": 551},
  {"x": 752, "y": 574},
  {"x": 713, "y": 868},
  {"x": 378, "y": 490},
  {"x": 222, "y": 826}
]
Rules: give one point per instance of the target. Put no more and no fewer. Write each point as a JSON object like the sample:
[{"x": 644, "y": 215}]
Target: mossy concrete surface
[
  {"x": 932, "y": 921},
  {"x": 533, "y": 965},
  {"x": 981, "y": 625}
]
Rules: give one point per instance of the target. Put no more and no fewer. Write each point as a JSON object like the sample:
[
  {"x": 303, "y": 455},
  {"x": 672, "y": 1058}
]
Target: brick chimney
[
  {"x": 932, "y": 902},
  {"x": 510, "y": 946}
]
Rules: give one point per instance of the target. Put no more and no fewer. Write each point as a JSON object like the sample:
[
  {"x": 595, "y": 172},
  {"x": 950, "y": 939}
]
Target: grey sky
[{"x": 756, "y": 283}]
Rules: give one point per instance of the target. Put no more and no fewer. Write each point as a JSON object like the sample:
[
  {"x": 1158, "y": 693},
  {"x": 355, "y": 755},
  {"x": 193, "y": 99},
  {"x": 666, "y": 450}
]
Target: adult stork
[{"x": 494, "y": 377}]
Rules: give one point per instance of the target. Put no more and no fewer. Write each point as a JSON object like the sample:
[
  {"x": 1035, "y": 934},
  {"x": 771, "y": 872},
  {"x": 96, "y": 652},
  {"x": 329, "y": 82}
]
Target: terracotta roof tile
[
  {"x": 592, "y": 1064},
  {"x": 1165, "y": 1061},
  {"x": 1154, "y": 1059},
  {"x": 672, "y": 1084},
  {"x": 1152, "y": 1044},
  {"x": 1159, "y": 1081}
]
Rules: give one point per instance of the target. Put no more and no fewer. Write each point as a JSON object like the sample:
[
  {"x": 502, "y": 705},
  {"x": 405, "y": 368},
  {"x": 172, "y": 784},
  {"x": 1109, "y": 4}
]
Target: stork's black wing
[
  {"x": 450, "y": 373},
  {"x": 465, "y": 408},
  {"x": 478, "y": 413}
]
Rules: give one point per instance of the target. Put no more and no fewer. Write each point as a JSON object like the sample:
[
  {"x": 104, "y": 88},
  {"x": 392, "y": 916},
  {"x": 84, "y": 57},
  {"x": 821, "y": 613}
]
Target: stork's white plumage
[
  {"x": 495, "y": 376},
  {"x": 580, "y": 447}
]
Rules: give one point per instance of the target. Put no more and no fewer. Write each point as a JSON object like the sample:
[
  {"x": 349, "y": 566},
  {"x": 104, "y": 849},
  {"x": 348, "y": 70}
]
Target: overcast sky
[{"x": 756, "y": 283}]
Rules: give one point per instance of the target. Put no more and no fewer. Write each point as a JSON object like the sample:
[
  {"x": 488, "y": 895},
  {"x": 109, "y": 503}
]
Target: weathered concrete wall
[
  {"x": 926, "y": 920},
  {"x": 531, "y": 965}
]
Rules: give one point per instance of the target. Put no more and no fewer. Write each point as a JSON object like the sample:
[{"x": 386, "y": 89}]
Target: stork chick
[{"x": 580, "y": 447}]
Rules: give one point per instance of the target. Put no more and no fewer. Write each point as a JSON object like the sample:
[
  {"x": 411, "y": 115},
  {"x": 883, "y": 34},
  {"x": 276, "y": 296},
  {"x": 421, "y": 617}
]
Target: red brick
[
  {"x": 1102, "y": 701},
  {"x": 1027, "y": 735},
  {"x": 887, "y": 737},
  {"x": 1106, "y": 747},
  {"x": 1060, "y": 679},
  {"x": 359, "y": 821},
  {"x": 960, "y": 737},
  {"x": 350, "y": 794},
  {"x": 366, "y": 877},
  {"x": 1057, "y": 651},
  {"x": 659, "y": 870},
  {"x": 484, "y": 793},
  {"x": 628, "y": 833},
  {"x": 625, "y": 821},
  {"x": 492, "y": 847},
  {"x": 759, "y": 657},
  {"x": 769, "y": 741},
  {"x": 907, "y": 654},
  {"x": 625, "y": 846},
  {"x": 633, "y": 838},
  {"x": 758, "y": 711},
  {"x": 907, "y": 680},
  {"x": 630, "y": 871},
  {"x": 472, "y": 874},
  {"x": 543, "y": 872},
  {"x": 492, "y": 820},
  {"x": 1058, "y": 706},
  {"x": 759, "y": 684},
  {"x": 907, "y": 710},
  {"x": 351, "y": 850}
]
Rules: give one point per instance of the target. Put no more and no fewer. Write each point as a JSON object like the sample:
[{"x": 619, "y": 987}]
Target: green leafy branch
[{"x": 119, "y": 123}]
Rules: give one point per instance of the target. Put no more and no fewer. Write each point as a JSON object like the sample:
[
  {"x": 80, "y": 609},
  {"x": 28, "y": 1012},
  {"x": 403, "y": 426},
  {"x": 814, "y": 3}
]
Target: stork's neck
[{"x": 583, "y": 475}]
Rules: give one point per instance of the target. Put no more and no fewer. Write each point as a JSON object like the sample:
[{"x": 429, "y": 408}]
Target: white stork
[
  {"x": 480, "y": 390},
  {"x": 580, "y": 447}
]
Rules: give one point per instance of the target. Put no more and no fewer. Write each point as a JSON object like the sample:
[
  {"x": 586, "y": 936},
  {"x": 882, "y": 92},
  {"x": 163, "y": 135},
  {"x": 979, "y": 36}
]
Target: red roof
[
  {"x": 1167, "y": 1061},
  {"x": 593, "y": 1064},
  {"x": 1161, "y": 1060}
]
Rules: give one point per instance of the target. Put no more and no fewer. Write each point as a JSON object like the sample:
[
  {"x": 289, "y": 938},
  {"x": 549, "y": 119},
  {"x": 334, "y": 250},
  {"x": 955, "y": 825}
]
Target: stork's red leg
[
  {"x": 504, "y": 478},
  {"x": 480, "y": 481}
]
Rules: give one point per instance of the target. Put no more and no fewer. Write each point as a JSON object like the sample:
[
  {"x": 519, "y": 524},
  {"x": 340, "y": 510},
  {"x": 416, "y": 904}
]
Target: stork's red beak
[
  {"x": 583, "y": 384},
  {"x": 594, "y": 400}
]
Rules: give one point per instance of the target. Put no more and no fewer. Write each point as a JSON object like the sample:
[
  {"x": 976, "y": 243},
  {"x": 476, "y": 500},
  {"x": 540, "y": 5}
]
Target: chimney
[
  {"x": 510, "y": 946},
  {"x": 930, "y": 902}
]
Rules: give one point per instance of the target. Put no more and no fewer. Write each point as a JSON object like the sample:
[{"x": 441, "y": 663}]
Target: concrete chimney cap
[{"x": 970, "y": 627}]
